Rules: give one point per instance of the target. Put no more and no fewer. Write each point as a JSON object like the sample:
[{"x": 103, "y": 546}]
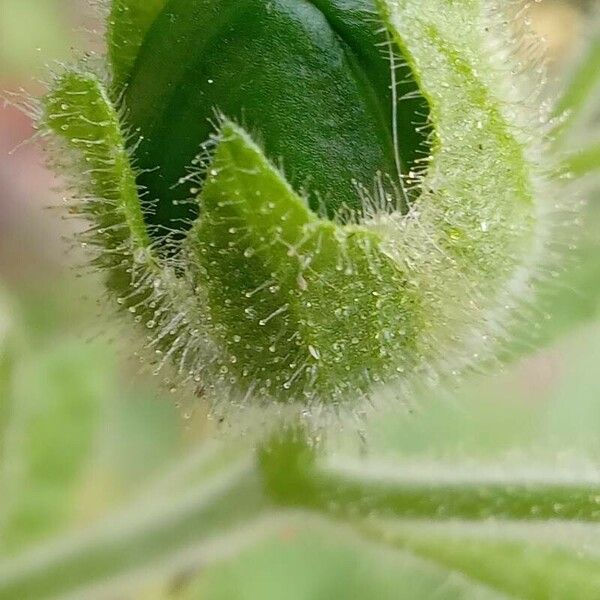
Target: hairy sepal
[
  {"x": 100, "y": 175},
  {"x": 79, "y": 112},
  {"x": 302, "y": 307},
  {"x": 478, "y": 232}
]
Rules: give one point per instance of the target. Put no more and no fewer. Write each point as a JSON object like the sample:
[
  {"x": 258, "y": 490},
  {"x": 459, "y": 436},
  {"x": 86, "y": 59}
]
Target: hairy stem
[{"x": 145, "y": 537}]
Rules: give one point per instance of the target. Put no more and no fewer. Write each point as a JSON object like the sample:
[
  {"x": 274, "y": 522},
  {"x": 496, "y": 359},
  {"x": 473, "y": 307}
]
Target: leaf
[
  {"x": 7, "y": 360},
  {"x": 311, "y": 559},
  {"x": 128, "y": 24},
  {"x": 74, "y": 438},
  {"x": 534, "y": 562},
  {"x": 572, "y": 297},
  {"x": 47, "y": 444},
  {"x": 579, "y": 96},
  {"x": 585, "y": 161}
]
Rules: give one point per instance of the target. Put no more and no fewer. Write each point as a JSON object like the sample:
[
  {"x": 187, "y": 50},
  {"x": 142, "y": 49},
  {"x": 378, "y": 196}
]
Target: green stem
[
  {"x": 294, "y": 478},
  {"x": 139, "y": 539}
]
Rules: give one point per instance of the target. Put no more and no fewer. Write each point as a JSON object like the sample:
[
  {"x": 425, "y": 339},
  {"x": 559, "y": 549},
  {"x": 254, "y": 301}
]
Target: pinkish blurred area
[{"x": 34, "y": 35}]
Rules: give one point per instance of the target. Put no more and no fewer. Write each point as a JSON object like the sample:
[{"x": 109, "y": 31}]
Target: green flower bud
[
  {"x": 310, "y": 80},
  {"x": 303, "y": 200}
]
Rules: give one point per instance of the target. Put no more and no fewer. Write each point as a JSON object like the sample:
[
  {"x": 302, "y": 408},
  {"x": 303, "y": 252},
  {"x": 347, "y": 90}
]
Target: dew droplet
[{"x": 314, "y": 352}]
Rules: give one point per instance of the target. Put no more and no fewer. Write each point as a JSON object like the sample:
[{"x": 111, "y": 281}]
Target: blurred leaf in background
[
  {"x": 76, "y": 438},
  {"x": 77, "y": 435},
  {"x": 575, "y": 295},
  {"x": 30, "y": 32},
  {"x": 7, "y": 350}
]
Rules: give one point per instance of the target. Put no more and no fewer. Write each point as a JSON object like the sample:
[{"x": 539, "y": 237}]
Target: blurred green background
[{"x": 81, "y": 430}]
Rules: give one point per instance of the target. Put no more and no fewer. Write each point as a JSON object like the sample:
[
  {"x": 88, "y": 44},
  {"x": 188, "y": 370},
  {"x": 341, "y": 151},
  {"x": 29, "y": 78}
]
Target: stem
[
  {"x": 294, "y": 478},
  {"x": 170, "y": 533},
  {"x": 139, "y": 539}
]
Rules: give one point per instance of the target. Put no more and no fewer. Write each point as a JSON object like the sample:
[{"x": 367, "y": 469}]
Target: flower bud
[
  {"x": 304, "y": 200},
  {"x": 309, "y": 80}
]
